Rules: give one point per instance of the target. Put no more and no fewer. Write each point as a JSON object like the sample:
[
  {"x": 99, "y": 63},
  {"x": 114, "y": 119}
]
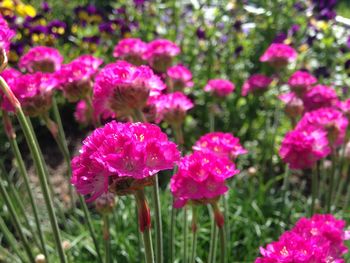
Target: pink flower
[
  {"x": 6, "y": 34},
  {"x": 294, "y": 106},
  {"x": 81, "y": 113},
  {"x": 344, "y": 106},
  {"x": 34, "y": 92},
  {"x": 172, "y": 107},
  {"x": 9, "y": 75},
  {"x": 160, "y": 53},
  {"x": 301, "y": 149},
  {"x": 318, "y": 239},
  {"x": 201, "y": 178},
  {"x": 41, "y": 58},
  {"x": 220, "y": 87},
  {"x": 76, "y": 77},
  {"x": 131, "y": 50},
  {"x": 221, "y": 144},
  {"x": 256, "y": 83},
  {"x": 180, "y": 77},
  {"x": 301, "y": 81},
  {"x": 279, "y": 55},
  {"x": 123, "y": 88},
  {"x": 320, "y": 96},
  {"x": 329, "y": 119},
  {"x": 114, "y": 156}
]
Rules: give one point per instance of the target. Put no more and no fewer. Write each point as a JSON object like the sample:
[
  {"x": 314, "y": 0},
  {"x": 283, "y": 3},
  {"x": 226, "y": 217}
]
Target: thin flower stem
[
  {"x": 158, "y": 217},
  {"x": 172, "y": 234},
  {"x": 185, "y": 225},
  {"x": 222, "y": 244},
  {"x": 213, "y": 241},
  {"x": 219, "y": 218},
  {"x": 212, "y": 118},
  {"x": 62, "y": 142},
  {"x": 343, "y": 182},
  {"x": 331, "y": 183},
  {"x": 106, "y": 238},
  {"x": 16, "y": 222},
  {"x": 10, "y": 239},
  {"x": 314, "y": 184},
  {"x": 194, "y": 235},
  {"x": 147, "y": 241},
  {"x": 39, "y": 164},
  {"x": 23, "y": 172}
]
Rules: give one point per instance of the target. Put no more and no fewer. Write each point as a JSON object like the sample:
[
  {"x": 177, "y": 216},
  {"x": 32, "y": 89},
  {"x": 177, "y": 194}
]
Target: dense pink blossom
[
  {"x": 219, "y": 87},
  {"x": 329, "y": 119},
  {"x": 301, "y": 149},
  {"x": 172, "y": 107},
  {"x": 131, "y": 50},
  {"x": 121, "y": 151},
  {"x": 34, "y": 92},
  {"x": 76, "y": 77},
  {"x": 344, "y": 106},
  {"x": 160, "y": 53},
  {"x": 123, "y": 88},
  {"x": 279, "y": 55},
  {"x": 180, "y": 77},
  {"x": 10, "y": 75},
  {"x": 319, "y": 239},
  {"x": 301, "y": 81},
  {"x": 320, "y": 96},
  {"x": 221, "y": 144},
  {"x": 41, "y": 58},
  {"x": 294, "y": 106},
  {"x": 6, "y": 34},
  {"x": 255, "y": 84},
  {"x": 200, "y": 178}
]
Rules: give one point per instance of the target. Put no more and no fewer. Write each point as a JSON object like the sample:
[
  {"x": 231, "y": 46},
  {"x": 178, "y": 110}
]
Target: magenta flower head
[
  {"x": 120, "y": 157},
  {"x": 219, "y": 87},
  {"x": 41, "y": 58},
  {"x": 301, "y": 149},
  {"x": 6, "y": 35},
  {"x": 294, "y": 106},
  {"x": 10, "y": 75},
  {"x": 179, "y": 77},
  {"x": 221, "y": 144},
  {"x": 131, "y": 50},
  {"x": 82, "y": 114},
  {"x": 124, "y": 88},
  {"x": 160, "y": 53},
  {"x": 34, "y": 92},
  {"x": 76, "y": 77},
  {"x": 344, "y": 106},
  {"x": 256, "y": 84},
  {"x": 317, "y": 239},
  {"x": 300, "y": 82},
  {"x": 329, "y": 119},
  {"x": 279, "y": 55},
  {"x": 320, "y": 96},
  {"x": 172, "y": 107},
  {"x": 201, "y": 178}
]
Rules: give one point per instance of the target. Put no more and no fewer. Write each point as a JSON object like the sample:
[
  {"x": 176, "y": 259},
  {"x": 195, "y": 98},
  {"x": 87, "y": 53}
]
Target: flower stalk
[
  {"x": 220, "y": 221},
  {"x": 194, "y": 234}
]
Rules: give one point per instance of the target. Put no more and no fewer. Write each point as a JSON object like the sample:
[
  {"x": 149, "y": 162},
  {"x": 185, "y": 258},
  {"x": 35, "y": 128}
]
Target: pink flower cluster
[
  {"x": 201, "y": 178},
  {"x": 180, "y": 77},
  {"x": 344, "y": 106},
  {"x": 76, "y": 77},
  {"x": 294, "y": 106},
  {"x": 41, "y": 59},
  {"x": 301, "y": 149},
  {"x": 300, "y": 81},
  {"x": 320, "y": 96},
  {"x": 221, "y": 144},
  {"x": 172, "y": 107},
  {"x": 279, "y": 55},
  {"x": 255, "y": 84},
  {"x": 319, "y": 239},
  {"x": 10, "y": 75},
  {"x": 123, "y": 88},
  {"x": 6, "y": 34},
  {"x": 131, "y": 50},
  {"x": 219, "y": 87},
  {"x": 81, "y": 113},
  {"x": 121, "y": 151}
]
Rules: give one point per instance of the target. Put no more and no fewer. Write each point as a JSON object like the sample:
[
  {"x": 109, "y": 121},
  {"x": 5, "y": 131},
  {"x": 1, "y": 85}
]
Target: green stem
[
  {"x": 212, "y": 118},
  {"x": 40, "y": 166},
  {"x": 158, "y": 217},
  {"x": 194, "y": 235},
  {"x": 147, "y": 241},
  {"x": 23, "y": 172},
  {"x": 16, "y": 222},
  {"x": 10, "y": 239},
  {"x": 219, "y": 218},
  {"x": 185, "y": 225},
  {"x": 172, "y": 234},
  {"x": 222, "y": 244},
  {"x": 226, "y": 216},
  {"x": 314, "y": 184},
  {"x": 331, "y": 182},
  {"x": 106, "y": 238},
  {"x": 63, "y": 145},
  {"x": 213, "y": 241}
]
